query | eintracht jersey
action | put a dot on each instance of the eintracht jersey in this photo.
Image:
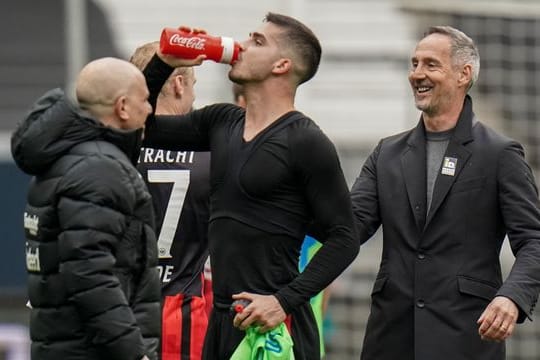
(179, 184)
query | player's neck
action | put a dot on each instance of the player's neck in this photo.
(167, 106)
(261, 112)
(266, 104)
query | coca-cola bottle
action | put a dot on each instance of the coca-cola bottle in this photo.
(188, 44)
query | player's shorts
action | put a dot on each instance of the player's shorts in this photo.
(184, 324)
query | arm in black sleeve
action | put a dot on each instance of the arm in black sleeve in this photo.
(192, 131)
(176, 132)
(156, 74)
(518, 197)
(365, 198)
(170, 132)
(328, 197)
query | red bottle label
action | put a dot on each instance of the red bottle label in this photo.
(192, 42)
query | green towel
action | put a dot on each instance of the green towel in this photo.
(275, 344)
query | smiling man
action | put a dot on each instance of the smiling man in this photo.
(446, 193)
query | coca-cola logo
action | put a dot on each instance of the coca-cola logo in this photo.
(192, 42)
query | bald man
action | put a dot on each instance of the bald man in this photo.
(91, 251)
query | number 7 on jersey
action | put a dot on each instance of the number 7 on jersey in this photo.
(180, 180)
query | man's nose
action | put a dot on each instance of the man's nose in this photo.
(417, 73)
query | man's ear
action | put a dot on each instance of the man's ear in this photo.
(178, 85)
(282, 66)
(465, 75)
(120, 109)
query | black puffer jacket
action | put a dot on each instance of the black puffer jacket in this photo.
(91, 252)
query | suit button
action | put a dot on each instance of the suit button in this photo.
(421, 256)
(420, 303)
(417, 208)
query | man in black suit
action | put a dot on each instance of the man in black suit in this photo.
(446, 193)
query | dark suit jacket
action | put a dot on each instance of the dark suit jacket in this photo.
(440, 270)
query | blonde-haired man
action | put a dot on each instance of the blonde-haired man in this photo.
(179, 184)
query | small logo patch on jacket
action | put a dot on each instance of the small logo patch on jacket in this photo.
(31, 223)
(449, 166)
(32, 258)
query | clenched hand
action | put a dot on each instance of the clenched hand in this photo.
(264, 310)
(498, 320)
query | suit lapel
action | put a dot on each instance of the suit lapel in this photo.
(413, 165)
(456, 153)
(444, 182)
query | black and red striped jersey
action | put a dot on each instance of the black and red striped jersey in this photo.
(179, 184)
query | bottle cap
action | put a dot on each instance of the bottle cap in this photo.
(239, 305)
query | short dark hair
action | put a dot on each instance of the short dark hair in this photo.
(302, 41)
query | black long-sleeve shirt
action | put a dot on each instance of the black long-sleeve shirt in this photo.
(263, 194)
